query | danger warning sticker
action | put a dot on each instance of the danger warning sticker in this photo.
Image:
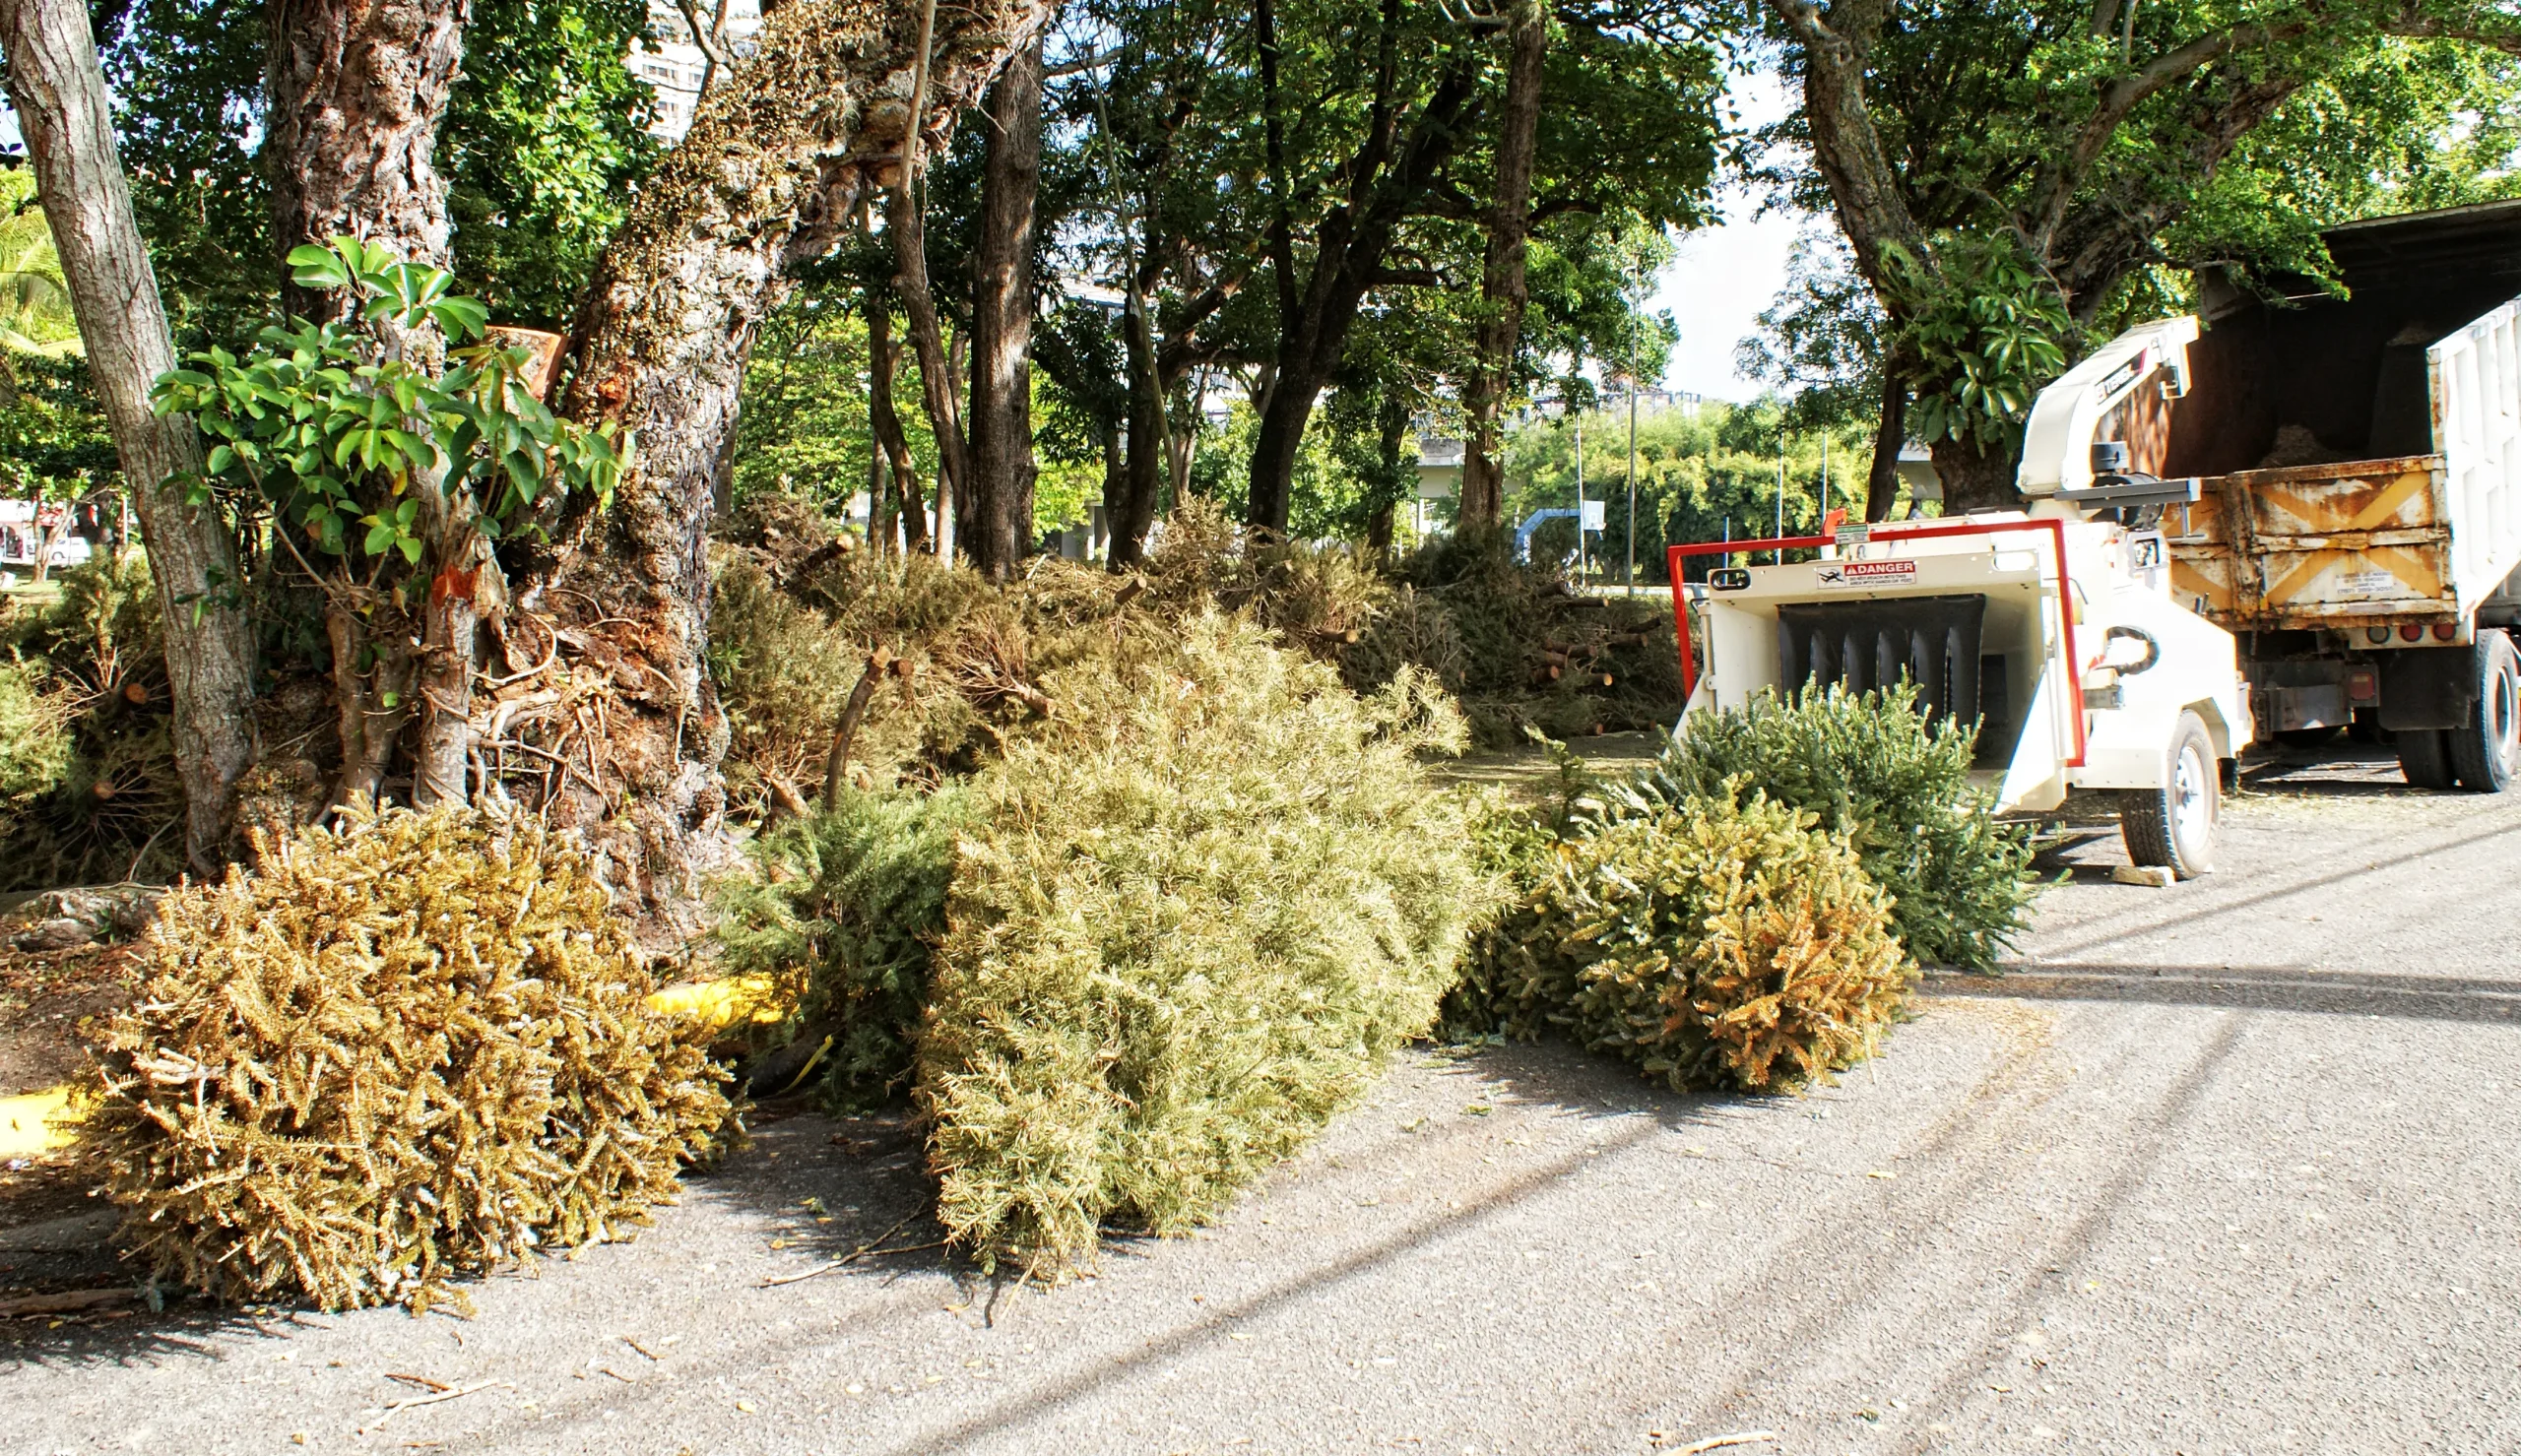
(1865, 573)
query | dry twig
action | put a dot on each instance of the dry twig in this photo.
(864, 1249)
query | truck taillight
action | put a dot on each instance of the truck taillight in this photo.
(2446, 631)
(2411, 633)
(2362, 687)
(2376, 635)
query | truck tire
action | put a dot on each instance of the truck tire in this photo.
(2424, 756)
(2486, 751)
(2173, 826)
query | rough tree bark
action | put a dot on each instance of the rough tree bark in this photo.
(999, 532)
(357, 91)
(66, 119)
(770, 172)
(1503, 288)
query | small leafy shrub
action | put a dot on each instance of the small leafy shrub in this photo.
(843, 912)
(1898, 786)
(1714, 941)
(1182, 933)
(396, 1053)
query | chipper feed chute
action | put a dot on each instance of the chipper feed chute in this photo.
(2050, 630)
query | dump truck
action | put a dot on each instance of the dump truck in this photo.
(2357, 521)
(2054, 630)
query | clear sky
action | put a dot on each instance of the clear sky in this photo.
(1726, 275)
(1716, 290)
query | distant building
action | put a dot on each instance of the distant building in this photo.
(673, 65)
(1439, 467)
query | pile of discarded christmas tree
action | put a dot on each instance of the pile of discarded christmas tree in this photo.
(1120, 882)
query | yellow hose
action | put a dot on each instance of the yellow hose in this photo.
(39, 1122)
(717, 1007)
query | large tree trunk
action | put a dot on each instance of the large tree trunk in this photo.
(1279, 439)
(1502, 289)
(770, 172)
(1974, 477)
(1001, 530)
(1142, 472)
(1391, 170)
(884, 424)
(63, 113)
(1890, 436)
(357, 91)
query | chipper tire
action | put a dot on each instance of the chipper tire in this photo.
(2486, 751)
(2173, 827)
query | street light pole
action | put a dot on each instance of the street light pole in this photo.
(1631, 487)
(1580, 500)
(1780, 553)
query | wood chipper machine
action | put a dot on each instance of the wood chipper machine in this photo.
(2052, 629)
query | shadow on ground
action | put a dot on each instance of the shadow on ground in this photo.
(2282, 988)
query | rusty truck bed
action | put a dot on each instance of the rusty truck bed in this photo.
(2353, 545)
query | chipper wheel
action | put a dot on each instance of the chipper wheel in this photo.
(2173, 826)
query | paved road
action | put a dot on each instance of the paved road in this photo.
(2223, 1169)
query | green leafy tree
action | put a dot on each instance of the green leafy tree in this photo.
(544, 140)
(546, 137)
(1704, 472)
(2010, 175)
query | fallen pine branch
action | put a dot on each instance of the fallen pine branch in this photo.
(863, 1250)
(65, 1301)
(1718, 1442)
(455, 1393)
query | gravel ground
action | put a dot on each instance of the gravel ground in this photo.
(2220, 1168)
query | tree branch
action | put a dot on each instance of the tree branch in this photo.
(1846, 146)
(2412, 25)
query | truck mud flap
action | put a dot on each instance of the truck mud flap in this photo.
(1931, 640)
(2427, 687)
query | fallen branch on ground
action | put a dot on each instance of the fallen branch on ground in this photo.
(1717, 1442)
(65, 1301)
(864, 1249)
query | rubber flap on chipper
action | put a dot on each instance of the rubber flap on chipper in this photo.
(1931, 641)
